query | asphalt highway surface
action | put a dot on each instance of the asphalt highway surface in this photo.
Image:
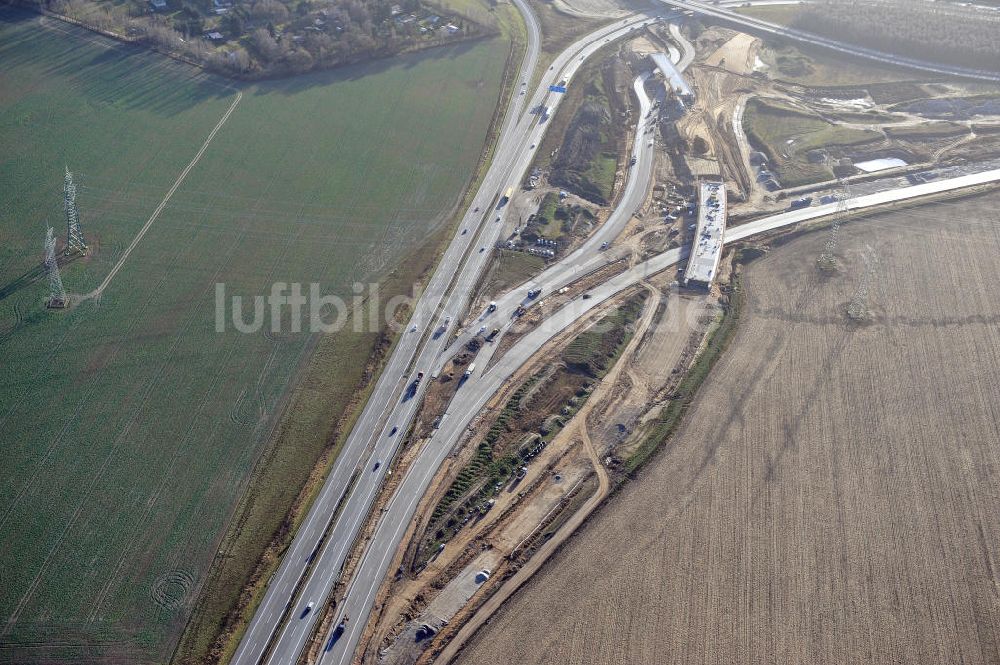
(393, 523)
(305, 548)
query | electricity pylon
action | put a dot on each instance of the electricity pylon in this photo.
(57, 293)
(74, 234)
(828, 260)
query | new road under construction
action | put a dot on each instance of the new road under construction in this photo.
(706, 248)
(430, 514)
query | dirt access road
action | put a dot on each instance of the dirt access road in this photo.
(832, 495)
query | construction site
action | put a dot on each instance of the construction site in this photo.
(734, 141)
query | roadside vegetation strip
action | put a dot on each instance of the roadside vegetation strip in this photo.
(225, 636)
(585, 133)
(778, 457)
(571, 513)
(218, 621)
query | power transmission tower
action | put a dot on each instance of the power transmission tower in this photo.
(857, 309)
(828, 260)
(74, 234)
(57, 294)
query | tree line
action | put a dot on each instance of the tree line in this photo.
(265, 38)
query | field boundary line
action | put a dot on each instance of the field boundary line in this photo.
(96, 293)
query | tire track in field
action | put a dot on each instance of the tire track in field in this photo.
(96, 293)
(151, 501)
(58, 438)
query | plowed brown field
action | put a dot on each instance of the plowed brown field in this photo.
(833, 494)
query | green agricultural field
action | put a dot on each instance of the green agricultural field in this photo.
(129, 426)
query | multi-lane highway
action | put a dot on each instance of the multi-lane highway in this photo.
(304, 549)
(760, 25)
(592, 254)
(310, 568)
(372, 568)
(393, 524)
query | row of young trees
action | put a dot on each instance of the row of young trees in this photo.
(942, 32)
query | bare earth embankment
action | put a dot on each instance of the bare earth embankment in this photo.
(832, 496)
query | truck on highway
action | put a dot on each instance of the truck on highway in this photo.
(505, 199)
(338, 632)
(493, 334)
(470, 369)
(411, 390)
(544, 114)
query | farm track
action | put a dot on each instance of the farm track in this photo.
(96, 293)
(828, 498)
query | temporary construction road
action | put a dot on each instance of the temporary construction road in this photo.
(592, 254)
(306, 553)
(372, 568)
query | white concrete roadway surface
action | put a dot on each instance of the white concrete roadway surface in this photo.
(843, 47)
(589, 256)
(385, 410)
(772, 222)
(473, 396)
